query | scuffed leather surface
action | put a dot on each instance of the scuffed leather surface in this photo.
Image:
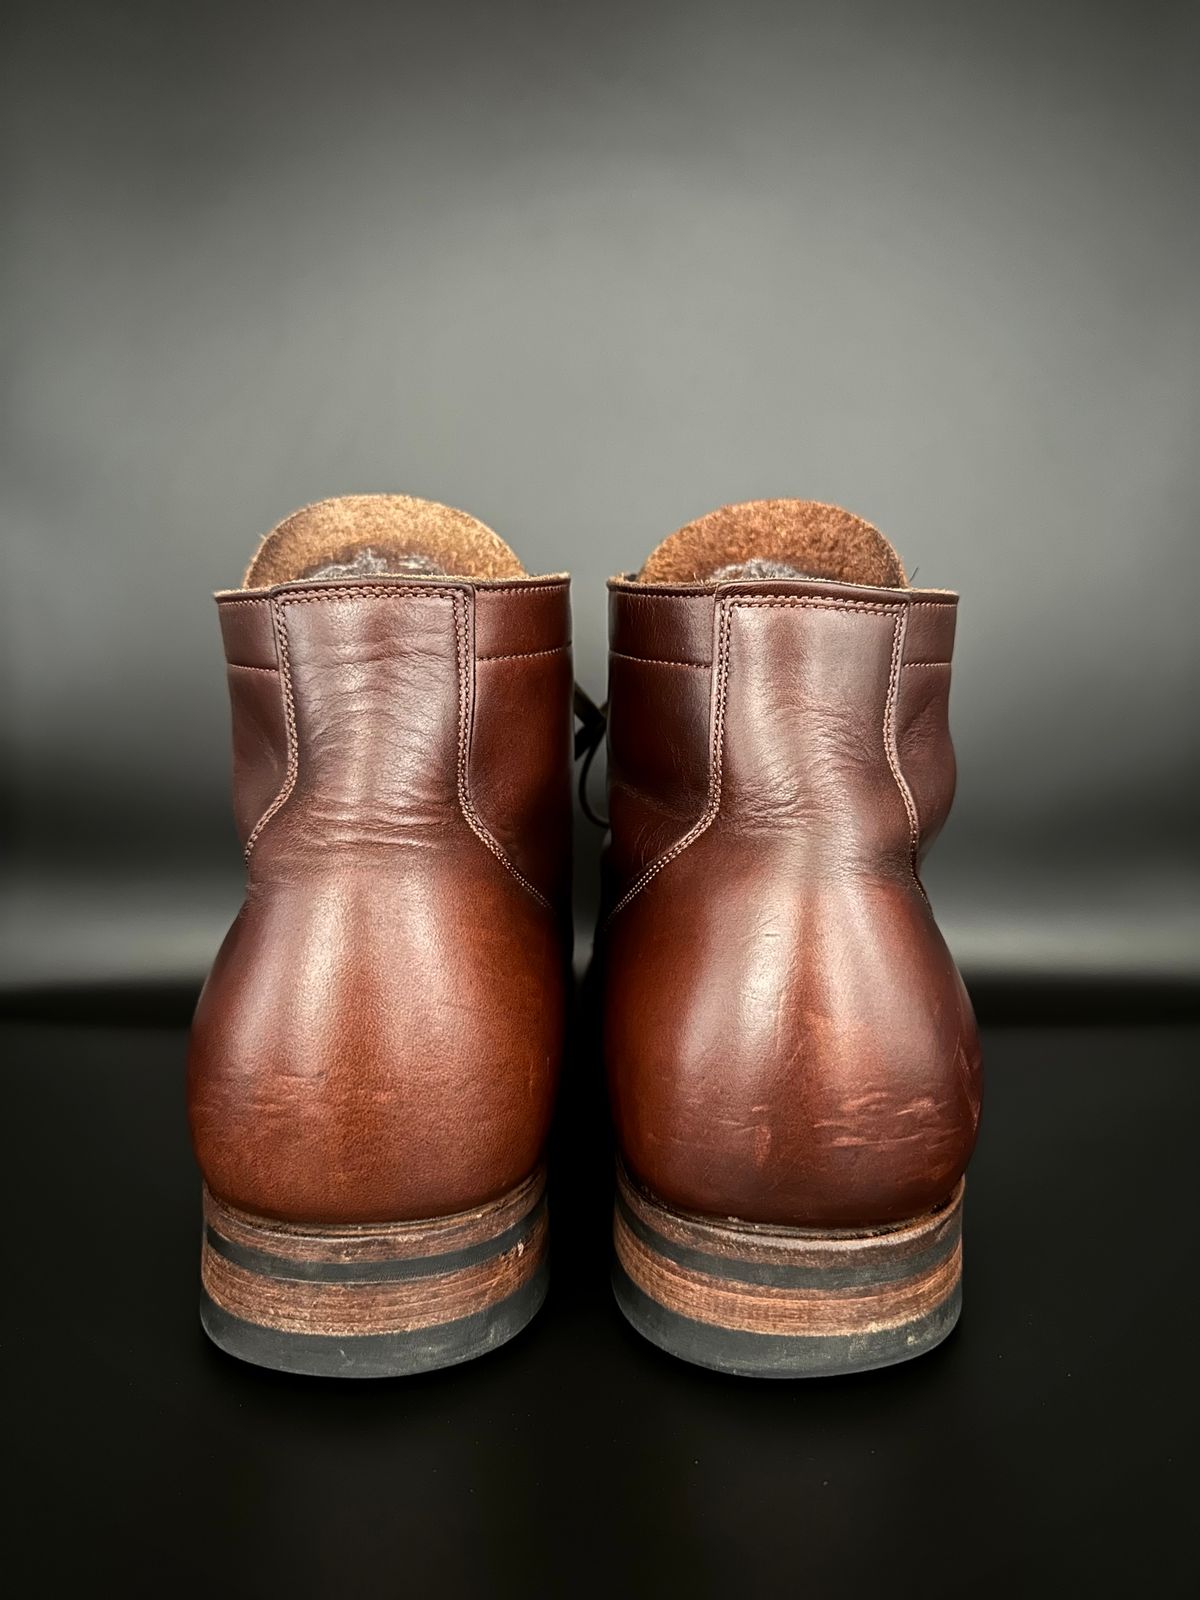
(788, 1040)
(380, 1035)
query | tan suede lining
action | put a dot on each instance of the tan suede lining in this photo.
(390, 533)
(809, 539)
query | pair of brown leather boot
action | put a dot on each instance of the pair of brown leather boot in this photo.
(793, 1062)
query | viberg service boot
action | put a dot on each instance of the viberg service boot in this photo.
(374, 1055)
(793, 1060)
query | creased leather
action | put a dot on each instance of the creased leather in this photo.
(380, 1035)
(788, 1040)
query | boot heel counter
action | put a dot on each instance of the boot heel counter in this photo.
(380, 1033)
(790, 1041)
(335, 1077)
(839, 1088)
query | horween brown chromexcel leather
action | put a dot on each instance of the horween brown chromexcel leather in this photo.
(374, 1056)
(793, 1060)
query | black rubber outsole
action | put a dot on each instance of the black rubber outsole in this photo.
(376, 1355)
(765, 1355)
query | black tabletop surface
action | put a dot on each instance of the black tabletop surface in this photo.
(1047, 1447)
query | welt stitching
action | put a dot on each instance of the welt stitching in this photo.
(525, 655)
(924, 663)
(716, 754)
(465, 803)
(250, 666)
(279, 625)
(893, 754)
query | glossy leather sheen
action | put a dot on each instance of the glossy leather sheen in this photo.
(380, 1035)
(788, 1040)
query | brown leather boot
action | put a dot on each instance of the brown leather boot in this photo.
(374, 1055)
(793, 1060)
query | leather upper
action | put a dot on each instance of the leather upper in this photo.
(788, 1040)
(380, 1035)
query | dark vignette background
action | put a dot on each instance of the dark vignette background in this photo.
(589, 272)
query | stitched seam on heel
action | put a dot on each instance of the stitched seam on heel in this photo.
(277, 602)
(721, 670)
(279, 627)
(892, 749)
(716, 755)
(465, 804)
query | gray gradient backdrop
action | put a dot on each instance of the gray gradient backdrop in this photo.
(589, 272)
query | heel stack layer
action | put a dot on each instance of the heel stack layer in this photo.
(374, 1300)
(785, 1302)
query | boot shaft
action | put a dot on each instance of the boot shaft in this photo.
(375, 718)
(814, 710)
(788, 1040)
(380, 1035)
